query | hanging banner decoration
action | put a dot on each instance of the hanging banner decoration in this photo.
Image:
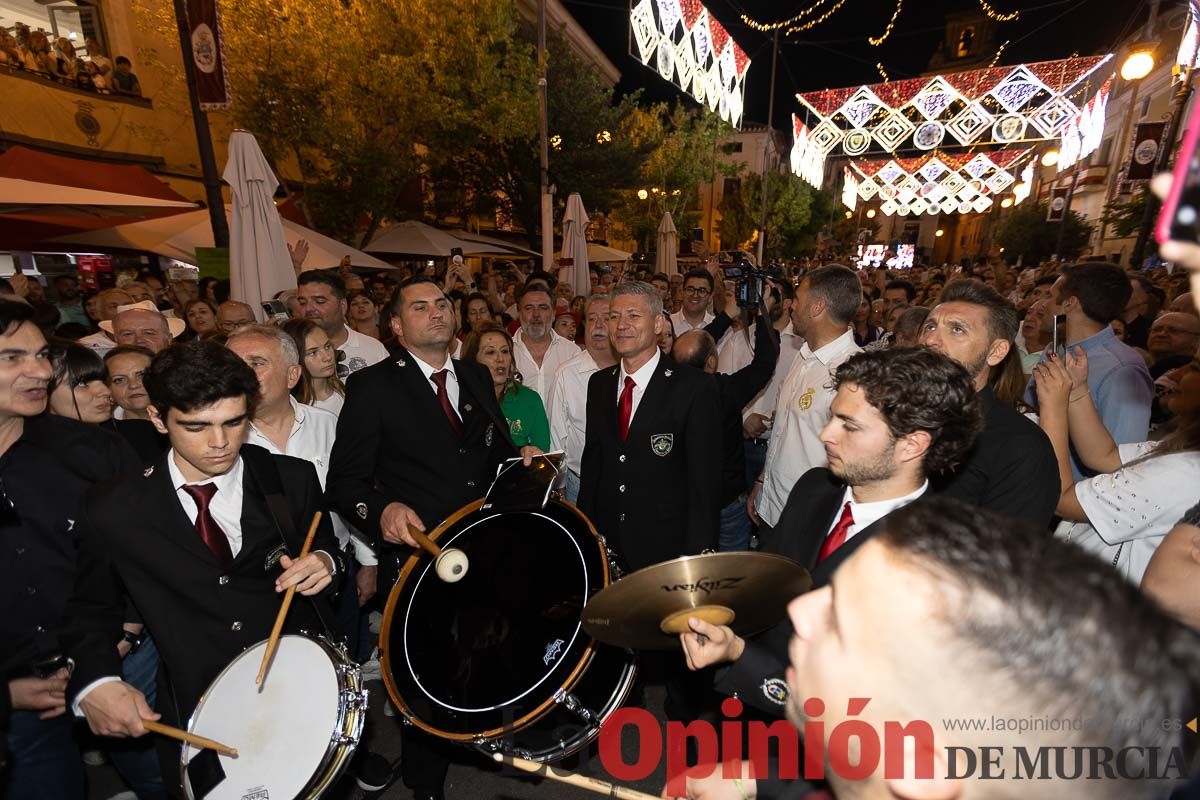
(687, 46)
(1058, 204)
(849, 188)
(939, 183)
(1190, 42)
(807, 160)
(1083, 132)
(997, 105)
(1022, 188)
(208, 55)
(1143, 150)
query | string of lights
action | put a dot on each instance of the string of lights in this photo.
(767, 27)
(875, 41)
(814, 23)
(996, 15)
(883, 72)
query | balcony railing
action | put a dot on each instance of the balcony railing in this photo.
(75, 86)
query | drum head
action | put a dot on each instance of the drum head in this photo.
(467, 659)
(281, 729)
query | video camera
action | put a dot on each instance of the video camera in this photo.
(750, 281)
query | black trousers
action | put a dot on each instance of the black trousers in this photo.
(424, 760)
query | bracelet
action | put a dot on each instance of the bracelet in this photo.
(738, 783)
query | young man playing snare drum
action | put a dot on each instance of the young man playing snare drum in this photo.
(203, 544)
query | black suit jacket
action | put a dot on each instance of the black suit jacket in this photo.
(394, 444)
(738, 389)
(655, 496)
(137, 541)
(813, 506)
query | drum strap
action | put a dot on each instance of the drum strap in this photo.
(265, 475)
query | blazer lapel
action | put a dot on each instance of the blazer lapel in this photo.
(826, 508)
(424, 398)
(165, 512)
(474, 396)
(659, 386)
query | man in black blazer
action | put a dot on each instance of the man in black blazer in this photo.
(899, 416)
(420, 436)
(202, 543)
(650, 476)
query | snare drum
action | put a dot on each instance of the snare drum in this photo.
(499, 660)
(294, 734)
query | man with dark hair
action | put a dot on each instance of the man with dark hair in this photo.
(1086, 298)
(322, 297)
(909, 326)
(191, 559)
(897, 293)
(698, 285)
(47, 464)
(1014, 625)
(1137, 315)
(826, 301)
(538, 351)
(900, 416)
(1011, 469)
(420, 436)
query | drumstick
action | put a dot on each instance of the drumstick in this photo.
(424, 541)
(190, 738)
(273, 641)
(582, 781)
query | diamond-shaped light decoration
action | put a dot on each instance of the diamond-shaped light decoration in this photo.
(919, 206)
(1017, 88)
(978, 165)
(856, 142)
(949, 205)
(1000, 181)
(645, 32)
(712, 86)
(906, 196)
(967, 126)
(684, 62)
(887, 207)
(952, 183)
(861, 105)
(935, 98)
(826, 136)
(669, 14)
(967, 192)
(902, 209)
(932, 169)
(702, 40)
(892, 131)
(964, 207)
(1052, 116)
(909, 184)
(981, 204)
(891, 172)
(867, 188)
(887, 192)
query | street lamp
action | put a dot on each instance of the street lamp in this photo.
(643, 194)
(1006, 202)
(870, 213)
(603, 137)
(940, 233)
(849, 214)
(1138, 63)
(1050, 158)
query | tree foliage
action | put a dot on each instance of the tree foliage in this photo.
(1125, 216)
(793, 218)
(1025, 233)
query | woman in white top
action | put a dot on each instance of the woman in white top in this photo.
(1141, 489)
(319, 385)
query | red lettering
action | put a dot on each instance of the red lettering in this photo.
(814, 740)
(868, 744)
(678, 771)
(894, 734)
(731, 739)
(789, 748)
(649, 748)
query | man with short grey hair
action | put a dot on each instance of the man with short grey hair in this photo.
(283, 426)
(107, 304)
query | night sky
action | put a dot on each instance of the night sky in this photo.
(836, 53)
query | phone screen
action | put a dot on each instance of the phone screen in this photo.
(1185, 222)
(1060, 346)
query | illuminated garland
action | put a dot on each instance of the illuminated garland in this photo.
(936, 183)
(876, 41)
(814, 23)
(1084, 131)
(767, 27)
(996, 15)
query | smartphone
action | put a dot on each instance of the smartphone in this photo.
(1056, 336)
(275, 310)
(1179, 218)
(456, 255)
(697, 234)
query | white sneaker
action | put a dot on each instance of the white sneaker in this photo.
(371, 669)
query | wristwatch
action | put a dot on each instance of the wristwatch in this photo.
(134, 639)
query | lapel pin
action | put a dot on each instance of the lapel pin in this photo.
(467, 407)
(400, 362)
(149, 471)
(666, 373)
(361, 510)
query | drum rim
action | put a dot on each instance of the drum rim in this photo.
(389, 613)
(339, 661)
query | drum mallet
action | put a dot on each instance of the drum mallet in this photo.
(450, 564)
(582, 781)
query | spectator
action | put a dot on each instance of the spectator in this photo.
(91, 307)
(1137, 492)
(1089, 296)
(125, 367)
(1173, 340)
(319, 384)
(566, 325)
(69, 305)
(538, 350)
(698, 286)
(898, 293)
(1034, 337)
(1183, 303)
(478, 312)
(1010, 469)
(666, 339)
(527, 423)
(361, 314)
(909, 325)
(78, 389)
(864, 332)
(144, 325)
(201, 318)
(123, 79)
(1136, 314)
(140, 292)
(323, 299)
(233, 314)
(107, 303)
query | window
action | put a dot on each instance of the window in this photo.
(729, 148)
(75, 21)
(1145, 107)
(732, 186)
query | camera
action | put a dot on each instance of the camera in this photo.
(750, 281)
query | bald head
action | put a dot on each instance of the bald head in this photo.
(696, 348)
(142, 327)
(233, 314)
(1183, 304)
(109, 301)
(1174, 334)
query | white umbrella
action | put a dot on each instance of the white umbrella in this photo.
(496, 248)
(575, 222)
(179, 235)
(666, 257)
(414, 238)
(259, 263)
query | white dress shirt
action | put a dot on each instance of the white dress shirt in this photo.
(641, 379)
(98, 341)
(568, 412)
(800, 414)
(681, 325)
(361, 351)
(867, 514)
(311, 439)
(451, 380)
(735, 351)
(332, 404)
(226, 505)
(541, 377)
(764, 403)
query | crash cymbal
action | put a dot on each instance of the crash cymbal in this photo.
(649, 608)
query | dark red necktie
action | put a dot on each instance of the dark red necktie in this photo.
(837, 536)
(625, 408)
(206, 525)
(444, 398)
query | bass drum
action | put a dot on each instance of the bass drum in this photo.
(499, 659)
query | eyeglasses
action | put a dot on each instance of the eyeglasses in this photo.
(697, 291)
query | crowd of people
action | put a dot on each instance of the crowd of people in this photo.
(905, 435)
(89, 68)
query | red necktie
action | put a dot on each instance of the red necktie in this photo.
(444, 398)
(837, 536)
(206, 525)
(625, 408)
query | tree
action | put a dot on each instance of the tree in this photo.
(792, 225)
(1025, 233)
(1125, 216)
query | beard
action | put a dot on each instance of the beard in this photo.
(869, 469)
